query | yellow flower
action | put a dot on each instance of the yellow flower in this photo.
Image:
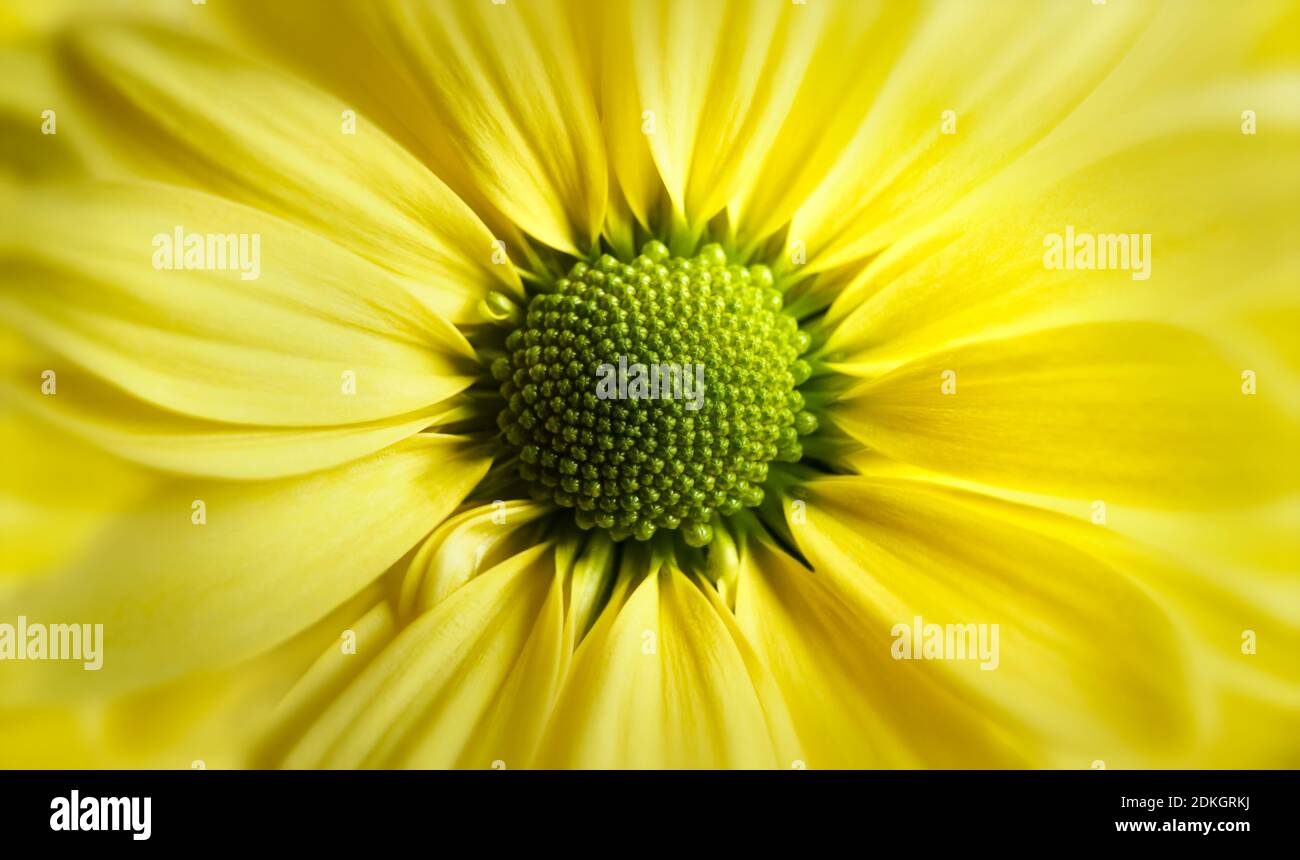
(994, 307)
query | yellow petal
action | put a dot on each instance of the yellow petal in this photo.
(1226, 579)
(834, 96)
(207, 720)
(374, 83)
(666, 680)
(472, 541)
(287, 149)
(57, 495)
(1088, 666)
(1124, 412)
(207, 573)
(467, 684)
(34, 105)
(828, 654)
(22, 19)
(1177, 182)
(901, 169)
(286, 348)
(591, 582)
(494, 97)
(636, 189)
(102, 415)
(714, 81)
(357, 642)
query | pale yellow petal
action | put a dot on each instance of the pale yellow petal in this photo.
(1088, 666)
(468, 543)
(666, 680)
(286, 148)
(712, 83)
(207, 573)
(102, 415)
(314, 335)
(358, 641)
(855, 45)
(901, 169)
(494, 97)
(1175, 202)
(467, 684)
(827, 652)
(57, 495)
(1225, 578)
(210, 720)
(1122, 412)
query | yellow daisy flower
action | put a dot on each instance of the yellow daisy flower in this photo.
(763, 384)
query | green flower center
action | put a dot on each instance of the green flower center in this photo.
(652, 394)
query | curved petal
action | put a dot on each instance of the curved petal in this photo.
(708, 86)
(833, 98)
(361, 641)
(1011, 75)
(1124, 412)
(1087, 665)
(1220, 572)
(666, 680)
(21, 19)
(1176, 194)
(206, 573)
(57, 495)
(849, 705)
(104, 416)
(298, 332)
(472, 541)
(207, 720)
(493, 96)
(284, 148)
(467, 684)
(1008, 73)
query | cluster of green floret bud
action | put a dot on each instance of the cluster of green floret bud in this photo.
(630, 464)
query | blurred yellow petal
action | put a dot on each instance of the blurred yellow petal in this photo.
(1134, 412)
(495, 95)
(207, 573)
(206, 720)
(1088, 666)
(354, 647)
(318, 337)
(56, 495)
(33, 101)
(1179, 179)
(1008, 73)
(467, 684)
(287, 149)
(826, 649)
(666, 680)
(19, 18)
(104, 416)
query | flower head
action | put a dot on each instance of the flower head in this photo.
(653, 384)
